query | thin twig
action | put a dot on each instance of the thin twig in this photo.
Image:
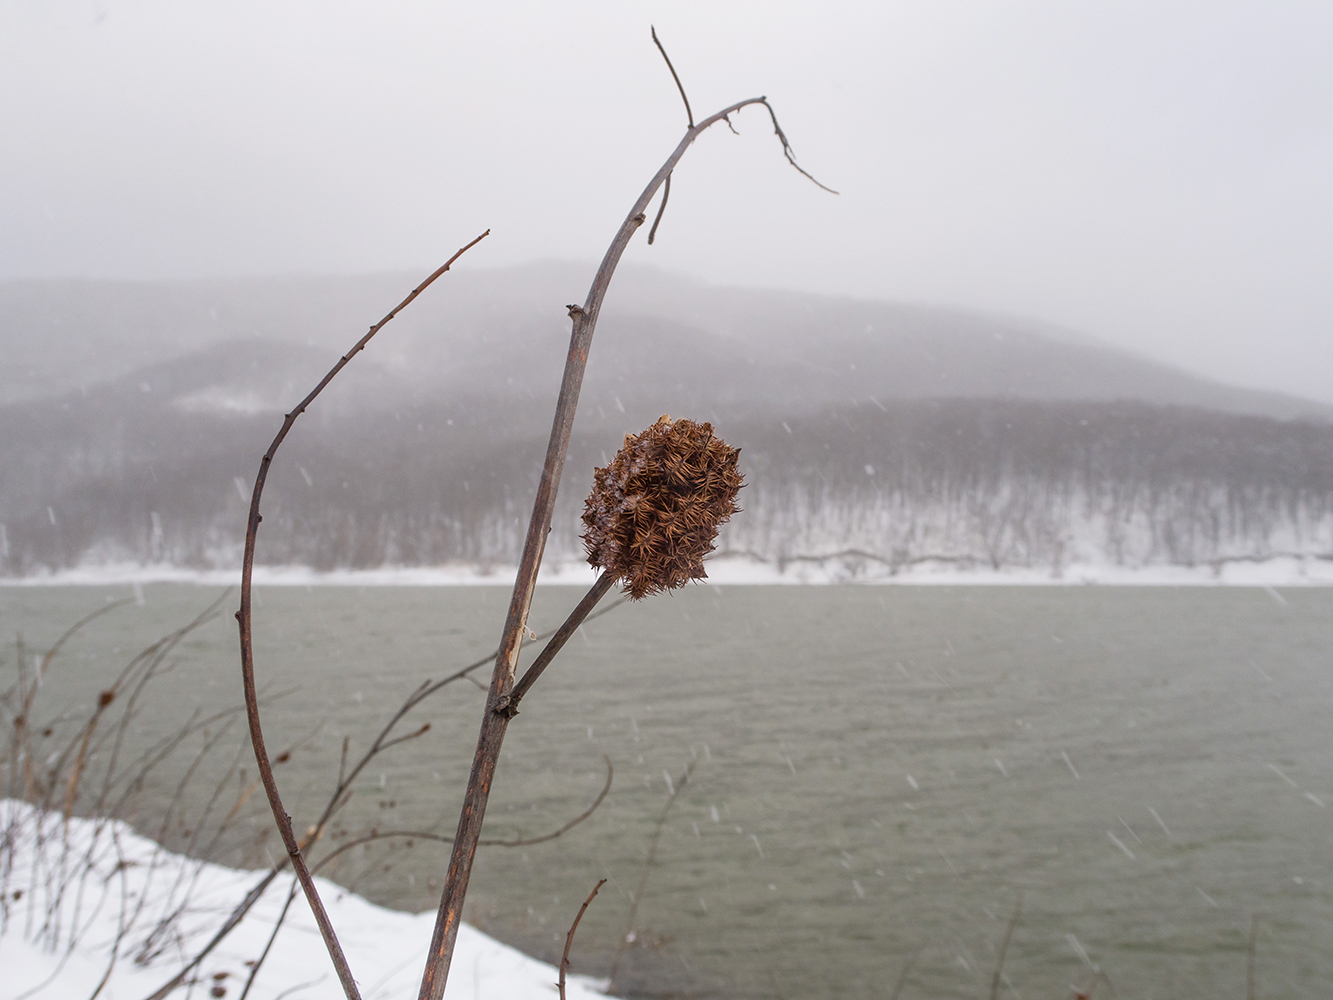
(440, 838)
(339, 798)
(1004, 947)
(147, 662)
(421, 730)
(906, 971)
(1098, 976)
(342, 761)
(1254, 944)
(243, 620)
(787, 150)
(273, 936)
(666, 193)
(563, 634)
(494, 721)
(22, 729)
(569, 938)
(529, 841)
(679, 86)
(666, 185)
(426, 835)
(643, 879)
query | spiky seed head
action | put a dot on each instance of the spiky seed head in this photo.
(654, 512)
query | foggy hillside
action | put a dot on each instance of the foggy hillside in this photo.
(134, 416)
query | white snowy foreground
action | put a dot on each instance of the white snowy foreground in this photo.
(93, 900)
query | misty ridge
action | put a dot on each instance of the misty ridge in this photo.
(874, 436)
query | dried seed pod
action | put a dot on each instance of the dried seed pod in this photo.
(654, 512)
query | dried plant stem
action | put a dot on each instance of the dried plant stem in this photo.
(1004, 947)
(22, 722)
(562, 635)
(1249, 966)
(494, 720)
(243, 619)
(643, 878)
(273, 936)
(689, 117)
(339, 798)
(679, 86)
(569, 938)
(411, 835)
(661, 209)
(906, 971)
(1097, 976)
(427, 835)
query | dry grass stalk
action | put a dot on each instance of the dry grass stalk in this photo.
(72, 874)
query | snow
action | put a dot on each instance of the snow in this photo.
(838, 567)
(109, 889)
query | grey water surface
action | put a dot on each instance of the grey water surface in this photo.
(878, 773)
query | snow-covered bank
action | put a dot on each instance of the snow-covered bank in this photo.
(134, 911)
(737, 569)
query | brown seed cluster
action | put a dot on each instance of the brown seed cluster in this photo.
(654, 512)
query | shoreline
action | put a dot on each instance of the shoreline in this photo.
(731, 570)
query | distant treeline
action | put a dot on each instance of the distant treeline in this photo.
(989, 482)
(1017, 483)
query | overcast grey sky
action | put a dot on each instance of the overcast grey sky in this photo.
(1156, 174)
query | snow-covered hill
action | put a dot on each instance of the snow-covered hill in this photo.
(910, 435)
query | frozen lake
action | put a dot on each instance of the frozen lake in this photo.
(878, 772)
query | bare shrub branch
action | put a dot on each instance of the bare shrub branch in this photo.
(625, 937)
(243, 620)
(563, 634)
(1004, 947)
(428, 835)
(1249, 964)
(661, 209)
(679, 86)
(494, 719)
(339, 798)
(569, 938)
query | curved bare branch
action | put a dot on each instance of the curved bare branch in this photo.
(243, 620)
(440, 838)
(569, 938)
(679, 86)
(336, 801)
